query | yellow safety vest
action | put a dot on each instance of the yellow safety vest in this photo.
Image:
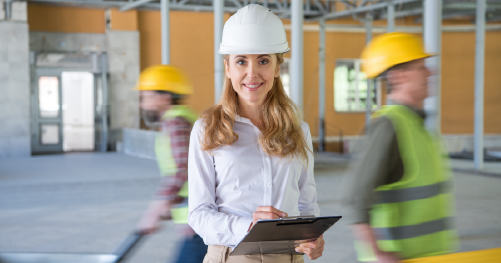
(166, 162)
(412, 217)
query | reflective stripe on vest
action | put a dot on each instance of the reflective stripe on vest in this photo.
(163, 151)
(413, 193)
(412, 216)
(166, 162)
(412, 231)
(179, 212)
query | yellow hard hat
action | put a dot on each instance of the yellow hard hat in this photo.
(388, 50)
(166, 78)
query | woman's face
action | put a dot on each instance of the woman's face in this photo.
(252, 76)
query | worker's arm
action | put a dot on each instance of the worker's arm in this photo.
(179, 130)
(364, 233)
(377, 162)
(167, 195)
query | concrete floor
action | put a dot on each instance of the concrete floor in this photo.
(89, 202)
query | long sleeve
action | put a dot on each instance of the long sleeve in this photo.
(307, 187)
(179, 133)
(216, 228)
(378, 163)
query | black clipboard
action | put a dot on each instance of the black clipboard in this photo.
(281, 236)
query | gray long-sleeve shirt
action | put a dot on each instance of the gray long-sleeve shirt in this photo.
(377, 162)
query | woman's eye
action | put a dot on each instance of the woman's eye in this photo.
(264, 62)
(241, 62)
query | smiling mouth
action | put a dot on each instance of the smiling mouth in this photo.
(253, 87)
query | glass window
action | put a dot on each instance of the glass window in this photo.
(48, 97)
(350, 87)
(49, 133)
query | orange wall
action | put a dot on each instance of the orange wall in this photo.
(192, 49)
(65, 19)
(192, 46)
(126, 21)
(458, 82)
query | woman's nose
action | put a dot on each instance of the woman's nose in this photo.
(252, 70)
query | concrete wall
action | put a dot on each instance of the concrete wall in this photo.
(139, 143)
(123, 67)
(67, 42)
(14, 90)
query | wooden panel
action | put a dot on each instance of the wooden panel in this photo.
(126, 21)
(65, 19)
(458, 83)
(192, 49)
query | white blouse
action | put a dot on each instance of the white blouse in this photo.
(225, 188)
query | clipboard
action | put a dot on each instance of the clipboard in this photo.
(281, 236)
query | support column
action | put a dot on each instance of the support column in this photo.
(297, 53)
(391, 16)
(321, 86)
(218, 58)
(432, 33)
(8, 9)
(165, 28)
(368, 38)
(478, 138)
(16, 128)
(105, 103)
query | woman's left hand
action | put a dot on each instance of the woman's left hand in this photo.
(312, 249)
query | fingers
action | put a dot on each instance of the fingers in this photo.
(271, 209)
(264, 215)
(313, 249)
(310, 252)
(267, 212)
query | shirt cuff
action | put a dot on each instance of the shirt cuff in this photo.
(242, 227)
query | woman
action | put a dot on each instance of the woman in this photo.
(250, 156)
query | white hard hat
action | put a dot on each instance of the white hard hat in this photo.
(254, 29)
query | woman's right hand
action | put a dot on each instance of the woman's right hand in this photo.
(266, 212)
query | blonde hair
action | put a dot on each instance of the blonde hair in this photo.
(281, 133)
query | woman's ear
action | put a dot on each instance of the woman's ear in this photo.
(227, 69)
(277, 71)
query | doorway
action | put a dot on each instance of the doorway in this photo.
(68, 111)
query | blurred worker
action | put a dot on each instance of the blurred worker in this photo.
(250, 154)
(398, 195)
(162, 90)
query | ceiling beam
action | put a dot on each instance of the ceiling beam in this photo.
(404, 13)
(357, 10)
(132, 5)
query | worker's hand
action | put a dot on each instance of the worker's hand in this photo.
(386, 257)
(312, 249)
(150, 221)
(266, 212)
(149, 224)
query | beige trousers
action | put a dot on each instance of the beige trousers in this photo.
(221, 254)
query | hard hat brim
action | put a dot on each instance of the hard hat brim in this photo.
(228, 50)
(187, 90)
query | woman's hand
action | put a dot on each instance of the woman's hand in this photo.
(266, 212)
(312, 249)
